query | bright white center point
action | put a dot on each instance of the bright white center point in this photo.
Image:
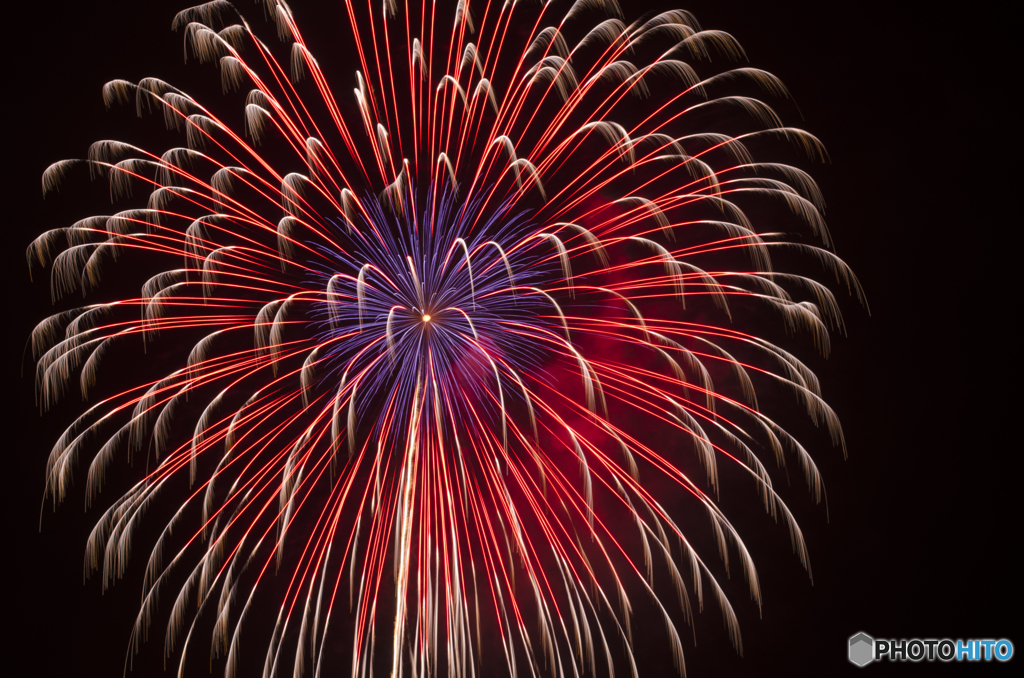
(426, 317)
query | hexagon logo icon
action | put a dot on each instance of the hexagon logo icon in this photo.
(862, 649)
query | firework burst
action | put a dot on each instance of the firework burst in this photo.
(417, 356)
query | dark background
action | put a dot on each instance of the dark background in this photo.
(922, 521)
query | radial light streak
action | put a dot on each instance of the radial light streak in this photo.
(411, 410)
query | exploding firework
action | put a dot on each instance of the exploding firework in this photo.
(438, 366)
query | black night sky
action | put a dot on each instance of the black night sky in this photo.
(922, 516)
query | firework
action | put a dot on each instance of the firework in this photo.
(430, 360)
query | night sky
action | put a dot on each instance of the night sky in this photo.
(921, 522)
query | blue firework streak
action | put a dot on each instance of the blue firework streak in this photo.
(422, 401)
(454, 297)
(413, 289)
